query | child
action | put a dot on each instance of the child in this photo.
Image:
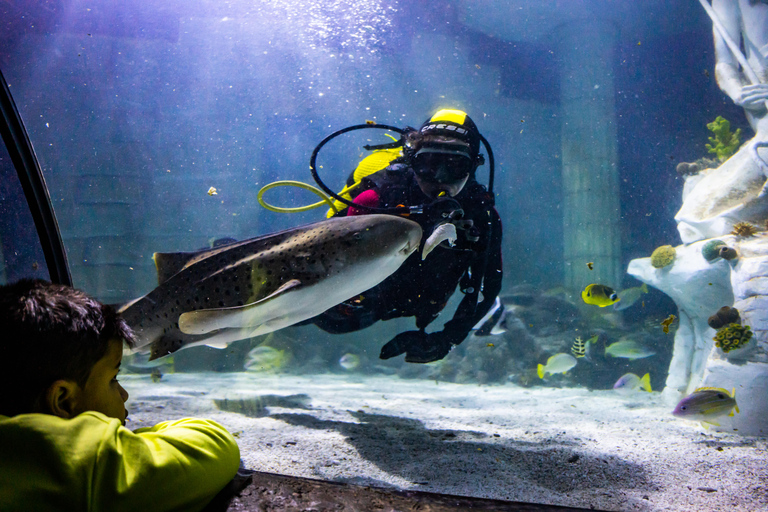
(63, 444)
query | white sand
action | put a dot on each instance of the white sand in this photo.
(569, 447)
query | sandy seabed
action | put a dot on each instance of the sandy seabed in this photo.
(568, 446)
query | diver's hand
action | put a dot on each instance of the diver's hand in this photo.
(419, 347)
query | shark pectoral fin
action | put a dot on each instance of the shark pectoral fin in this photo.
(204, 321)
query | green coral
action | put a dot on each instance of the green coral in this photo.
(711, 250)
(725, 142)
(732, 336)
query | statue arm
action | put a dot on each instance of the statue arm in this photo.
(731, 80)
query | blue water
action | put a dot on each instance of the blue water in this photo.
(137, 109)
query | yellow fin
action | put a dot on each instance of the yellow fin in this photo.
(645, 382)
(731, 394)
(540, 371)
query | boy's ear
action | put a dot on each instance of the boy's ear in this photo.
(61, 398)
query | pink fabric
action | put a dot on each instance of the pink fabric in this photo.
(367, 198)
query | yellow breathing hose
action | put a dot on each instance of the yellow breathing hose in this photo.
(378, 160)
(290, 183)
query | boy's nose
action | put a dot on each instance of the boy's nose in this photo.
(123, 393)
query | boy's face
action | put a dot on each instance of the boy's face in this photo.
(102, 393)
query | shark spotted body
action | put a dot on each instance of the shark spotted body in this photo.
(256, 286)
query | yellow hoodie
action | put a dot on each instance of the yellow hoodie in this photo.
(93, 463)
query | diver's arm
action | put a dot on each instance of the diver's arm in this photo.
(469, 312)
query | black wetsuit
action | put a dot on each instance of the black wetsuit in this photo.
(421, 288)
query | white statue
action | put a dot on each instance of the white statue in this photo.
(744, 21)
(735, 191)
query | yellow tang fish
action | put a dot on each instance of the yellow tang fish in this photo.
(599, 295)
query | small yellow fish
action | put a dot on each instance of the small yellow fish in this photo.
(349, 361)
(666, 323)
(590, 264)
(491, 345)
(629, 383)
(266, 359)
(578, 349)
(558, 363)
(212, 191)
(599, 295)
(705, 404)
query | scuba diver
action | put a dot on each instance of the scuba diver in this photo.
(431, 181)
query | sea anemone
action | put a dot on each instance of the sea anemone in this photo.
(711, 249)
(663, 256)
(732, 337)
(744, 229)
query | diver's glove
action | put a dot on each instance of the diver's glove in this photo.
(419, 347)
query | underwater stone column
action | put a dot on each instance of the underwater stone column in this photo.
(591, 209)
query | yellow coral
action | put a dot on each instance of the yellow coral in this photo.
(744, 229)
(663, 256)
(732, 337)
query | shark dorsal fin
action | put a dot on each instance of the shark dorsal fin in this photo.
(169, 263)
(204, 321)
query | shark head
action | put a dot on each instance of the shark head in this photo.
(257, 286)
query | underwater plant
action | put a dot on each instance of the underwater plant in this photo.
(725, 142)
(663, 256)
(744, 229)
(732, 336)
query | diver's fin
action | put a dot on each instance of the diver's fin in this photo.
(204, 321)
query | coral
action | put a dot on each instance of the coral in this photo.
(663, 256)
(744, 229)
(732, 337)
(687, 169)
(711, 249)
(724, 316)
(725, 142)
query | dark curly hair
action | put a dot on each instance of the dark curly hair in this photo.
(50, 332)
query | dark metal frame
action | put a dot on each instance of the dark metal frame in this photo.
(32, 182)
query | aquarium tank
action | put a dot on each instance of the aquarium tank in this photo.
(512, 251)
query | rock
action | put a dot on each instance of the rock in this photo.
(700, 289)
(732, 193)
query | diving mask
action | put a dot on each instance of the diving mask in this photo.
(442, 164)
